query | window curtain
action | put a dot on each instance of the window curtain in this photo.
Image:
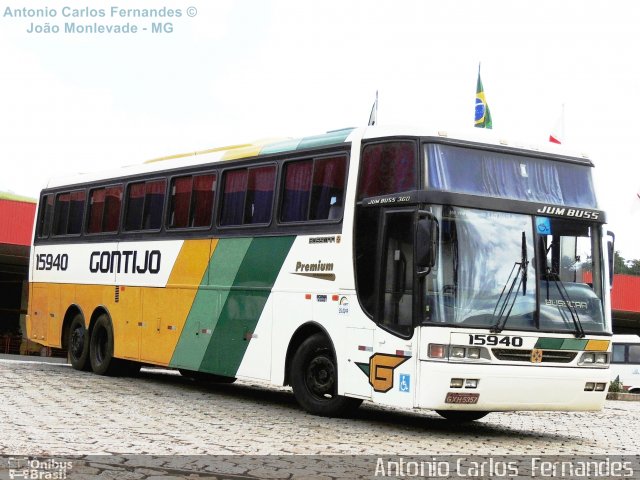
(387, 168)
(509, 176)
(153, 204)
(96, 211)
(135, 204)
(112, 206)
(202, 200)
(328, 185)
(61, 214)
(260, 194)
(235, 186)
(181, 201)
(295, 200)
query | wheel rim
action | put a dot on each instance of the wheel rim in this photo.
(321, 377)
(77, 342)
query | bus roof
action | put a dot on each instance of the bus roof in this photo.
(333, 137)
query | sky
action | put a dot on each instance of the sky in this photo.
(232, 71)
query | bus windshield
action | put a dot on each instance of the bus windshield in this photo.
(512, 271)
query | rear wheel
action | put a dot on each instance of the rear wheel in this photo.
(101, 348)
(78, 344)
(314, 378)
(461, 416)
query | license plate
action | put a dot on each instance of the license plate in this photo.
(465, 398)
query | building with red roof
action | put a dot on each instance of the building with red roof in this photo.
(16, 227)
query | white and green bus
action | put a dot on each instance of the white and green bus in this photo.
(407, 267)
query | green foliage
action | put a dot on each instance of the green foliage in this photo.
(615, 386)
(627, 267)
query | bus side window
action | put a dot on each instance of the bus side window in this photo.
(191, 203)
(46, 213)
(145, 202)
(618, 353)
(313, 189)
(248, 196)
(387, 168)
(634, 354)
(104, 209)
(68, 213)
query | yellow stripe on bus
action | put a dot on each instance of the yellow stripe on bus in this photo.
(165, 310)
(597, 346)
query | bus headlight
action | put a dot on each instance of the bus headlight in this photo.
(588, 358)
(473, 353)
(456, 352)
(601, 358)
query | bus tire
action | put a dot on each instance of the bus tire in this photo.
(78, 344)
(314, 378)
(461, 416)
(101, 348)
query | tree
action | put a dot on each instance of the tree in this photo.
(627, 267)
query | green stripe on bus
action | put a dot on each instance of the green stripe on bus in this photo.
(561, 344)
(330, 138)
(212, 293)
(244, 304)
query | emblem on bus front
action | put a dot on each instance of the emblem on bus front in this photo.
(536, 355)
(380, 370)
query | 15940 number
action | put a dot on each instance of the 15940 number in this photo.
(47, 261)
(494, 340)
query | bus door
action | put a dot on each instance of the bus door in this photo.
(393, 363)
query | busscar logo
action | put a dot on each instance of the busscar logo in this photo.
(380, 370)
(319, 270)
(568, 212)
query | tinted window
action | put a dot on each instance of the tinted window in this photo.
(145, 202)
(618, 353)
(104, 209)
(387, 168)
(313, 189)
(46, 213)
(634, 353)
(248, 196)
(192, 201)
(487, 173)
(68, 211)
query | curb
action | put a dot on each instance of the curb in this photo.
(627, 397)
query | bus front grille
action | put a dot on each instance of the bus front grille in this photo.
(548, 356)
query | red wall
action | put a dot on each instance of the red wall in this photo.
(16, 222)
(625, 295)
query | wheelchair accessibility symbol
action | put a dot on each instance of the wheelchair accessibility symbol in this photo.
(405, 383)
(543, 225)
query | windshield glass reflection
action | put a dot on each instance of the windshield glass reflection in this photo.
(486, 273)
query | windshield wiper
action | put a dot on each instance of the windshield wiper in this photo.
(564, 295)
(519, 274)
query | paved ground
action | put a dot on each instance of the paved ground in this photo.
(49, 409)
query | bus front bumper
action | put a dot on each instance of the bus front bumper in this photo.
(510, 387)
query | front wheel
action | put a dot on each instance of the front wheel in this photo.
(461, 416)
(314, 378)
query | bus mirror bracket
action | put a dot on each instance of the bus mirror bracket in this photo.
(426, 242)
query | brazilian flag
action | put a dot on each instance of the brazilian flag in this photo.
(483, 115)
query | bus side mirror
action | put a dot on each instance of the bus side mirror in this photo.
(612, 253)
(426, 244)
